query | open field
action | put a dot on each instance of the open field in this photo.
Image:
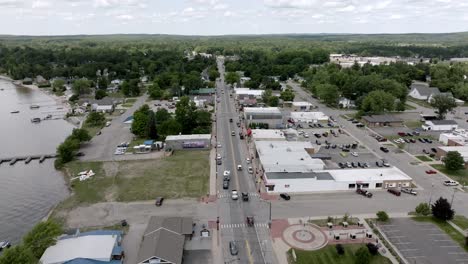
(460, 176)
(328, 255)
(446, 227)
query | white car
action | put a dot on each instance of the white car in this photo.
(450, 183)
(306, 135)
(218, 157)
(218, 146)
(250, 170)
(354, 154)
(248, 160)
(234, 195)
(226, 173)
(300, 132)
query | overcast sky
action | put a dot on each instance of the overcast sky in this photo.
(220, 17)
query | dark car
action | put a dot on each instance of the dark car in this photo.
(327, 146)
(333, 146)
(233, 248)
(285, 196)
(318, 142)
(425, 151)
(317, 135)
(359, 125)
(319, 125)
(434, 150)
(225, 184)
(428, 140)
(219, 162)
(4, 245)
(80, 154)
(245, 197)
(230, 120)
(412, 140)
(354, 164)
(159, 201)
(364, 193)
(394, 191)
(346, 150)
(384, 149)
(311, 125)
(341, 165)
(421, 140)
(378, 164)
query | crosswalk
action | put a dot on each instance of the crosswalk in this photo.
(228, 195)
(225, 226)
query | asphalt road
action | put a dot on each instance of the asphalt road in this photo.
(253, 242)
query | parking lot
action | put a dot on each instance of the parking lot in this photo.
(422, 242)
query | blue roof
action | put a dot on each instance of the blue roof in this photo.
(128, 118)
(91, 261)
(148, 142)
(96, 233)
(117, 250)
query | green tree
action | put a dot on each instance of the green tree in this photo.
(95, 119)
(170, 127)
(423, 209)
(461, 91)
(152, 133)
(287, 95)
(203, 119)
(340, 249)
(99, 94)
(442, 210)
(378, 102)
(362, 256)
(81, 135)
(232, 77)
(382, 216)
(266, 96)
(102, 83)
(443, 104)
(18, 254)
(58, 85)
(66, 150)
(213, 73)
(141, 121)
(155, 91)
(185, 114)
(273, 101)
(131, 87)
(42, 236)
(81, 86)
(454, 161)
(328, 93)
(162, 115)
(74, 98)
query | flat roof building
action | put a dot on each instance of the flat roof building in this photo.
(443, 150)
(267, 134)
(265, 115)
(382, 120)
(440, 125)
(301, 106)
(197, 141)
(458, 137)
(247, 91)
(309, 117)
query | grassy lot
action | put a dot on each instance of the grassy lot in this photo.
(460, 176)
(328, 255)
(136, 142)
(461, 221)
(184, 174)
(413, 123)
(419, 102)
(424, 158)
(409, 107)
(129, 102)
(446, 227)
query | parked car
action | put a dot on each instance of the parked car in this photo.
(401, 134)
(409, 191)
(225, 184)
(239, 167)
(416, 133)
(378, 164)
(219, 162)
(431, 172)
(349, 165)
(250, 170)
(354, 164)
(233, 248)
(384, 149)
(4, 244)
(364, 193)
(429, 141)
(394, 191)
(385, 163)
(341, 165)
(245, 197)
(233, 133)
(412, 140)
(359, 125)
(425, 151)
(421, 140)
(355, 154)
(450, 183)
(317, 135)
(234, 195)
(159, 201)
(333, 146)
(285, 196)
(434, 150)
(306, 135)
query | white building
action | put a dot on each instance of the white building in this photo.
(309, 117)
(268, 134)
(247, 91)
(440, 125)
(197, 141)
(302, 106)
(264, 115)
(458, 137)
(422, 91)
(199, 103)
(346, 103)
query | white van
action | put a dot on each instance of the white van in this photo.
(450, 183)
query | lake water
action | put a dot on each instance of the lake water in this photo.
(28, 192)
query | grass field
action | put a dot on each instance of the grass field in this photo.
(409, 107)
(424, 158)
(460, 176)
(461, 221)
(328, 255)
(419, 102)
(184, 174)
(446, 227)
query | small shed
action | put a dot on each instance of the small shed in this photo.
(440, 125)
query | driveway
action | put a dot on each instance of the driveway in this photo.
(422, 242)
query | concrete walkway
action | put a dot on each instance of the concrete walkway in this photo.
(305, 237)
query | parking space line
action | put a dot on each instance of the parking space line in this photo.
(449, 246)
(411, 249)
(416, 257)
(402, 243)
(462, 259)
(441, 240)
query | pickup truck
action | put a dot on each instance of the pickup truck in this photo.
(364, 193)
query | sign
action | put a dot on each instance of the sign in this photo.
(193, 144)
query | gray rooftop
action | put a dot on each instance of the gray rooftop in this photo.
(298, 175)
(180, 225)
(382, 119)
(443, 122)
(424, 89)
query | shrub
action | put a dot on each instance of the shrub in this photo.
(362, 256)
(442, 210)
(340, 249)
(423, 209)
(382, 216)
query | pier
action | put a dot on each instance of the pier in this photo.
(27, 159)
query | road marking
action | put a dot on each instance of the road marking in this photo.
(247, 245)
(402, 243)
(436, 234)
(395, 237)
(456, 253)
(411, 249)
(389, 231)
(416, 257)
(441, 240)
(449, 246)
(462, 259)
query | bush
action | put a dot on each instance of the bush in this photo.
(442, 210)
(382, 216)
(42, 236)
(340, 249)
(95, 119)
(423, 209)
(373, 249)
(362, 256)
(74, 98)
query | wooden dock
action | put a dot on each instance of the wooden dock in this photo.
(27, 159)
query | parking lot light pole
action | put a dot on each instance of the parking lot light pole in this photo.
(453, 196)
(430, 197)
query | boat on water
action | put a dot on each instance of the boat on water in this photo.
(36, 120)
(15, 112)
(34, 106)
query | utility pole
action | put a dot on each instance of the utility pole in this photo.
(430, 198)
(453, 196)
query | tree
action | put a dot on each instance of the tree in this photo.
(81, 86)
(42, 236)
(74, 98)
(155, 91)
(162, 115)
(185, 114)
(273, 101)
(287, 95)
(170, 127)
(328, 93)
(102, 83)
(340, 249)
(66, 150)
(423, 209)
(454, 161)
(131, 87)
(373, 249)
(81, 135)
(382, 216)
(18, 254)
(152, 133)
(141, 121)
(232, 77)
(58, 85)
(443, 104)
(213, 73)
(362, 256)
(442, 210)
(100, 94)
(378, 102)
(266, 95)
(95, 119)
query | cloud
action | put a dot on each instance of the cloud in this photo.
(11, 3)
(347, 8)
(125, 17)
(40, 4)
(220, 7)
(290, 3)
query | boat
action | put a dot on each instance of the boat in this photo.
(36, 120)
(15, 112)
(34, 106)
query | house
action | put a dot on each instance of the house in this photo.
(448, 94)
(422, 91)
(382, 120)
(102, 246)
(104, 105)
(163, 240)
(440, 125)
(344, 102)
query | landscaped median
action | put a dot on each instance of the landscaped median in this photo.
(184, 174)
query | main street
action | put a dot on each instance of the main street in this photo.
(253, 242)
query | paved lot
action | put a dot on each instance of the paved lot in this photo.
(421, 242)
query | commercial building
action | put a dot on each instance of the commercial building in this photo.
(309, 117)
(301, 106)
(90, 247)
(247, 100)
(458, 137)
(267, 135)
(440, 125)
(247, 91)
(163, 240)
(199, 141)
(382, 120)
(264, 115)
(443, 150)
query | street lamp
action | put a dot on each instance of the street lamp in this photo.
(453, 196)
(430, 198)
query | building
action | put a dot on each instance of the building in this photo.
(203, 91)
(309, 117)
(440, 125)
(247, 100)
(105, 105)
(94, 247)
(163, 240)
(27, 81)
(443, 150)
(422, 91)
(346, 103)
(382, 120)
(267, 134)
(302, 106)
(199, 141)
(458, 137)
(199, 103)
(247, 91)
(265, 115)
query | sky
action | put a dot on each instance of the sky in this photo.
(224, 17)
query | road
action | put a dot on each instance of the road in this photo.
(253, 242)
(325, 204)
(102, 147)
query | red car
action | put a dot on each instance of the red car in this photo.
(402, 134)
(431, 172)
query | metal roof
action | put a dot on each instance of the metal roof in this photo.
(188, 137)
(442, 122)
